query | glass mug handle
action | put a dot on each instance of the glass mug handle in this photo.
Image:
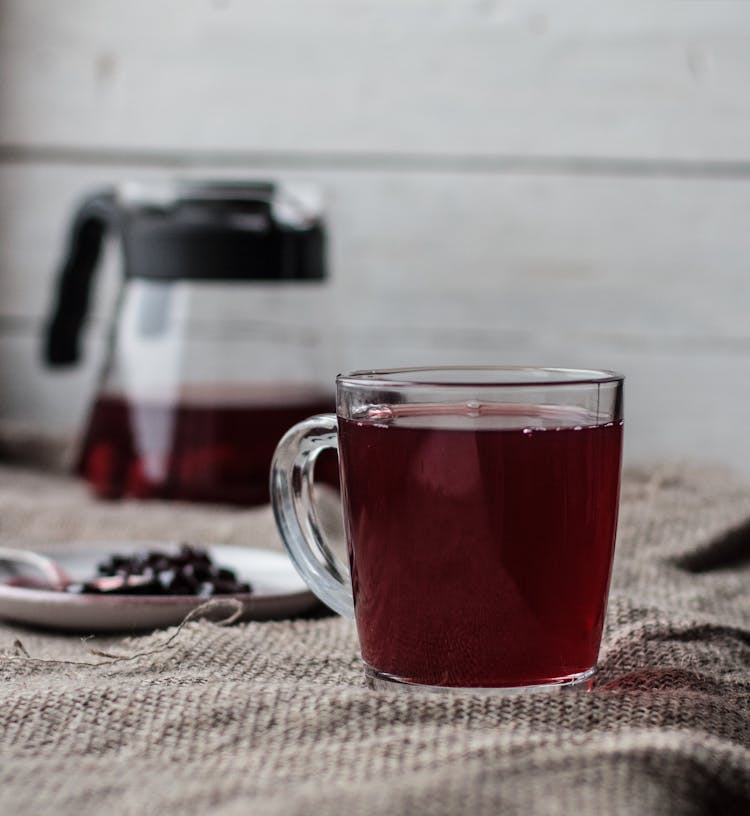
(296, 517)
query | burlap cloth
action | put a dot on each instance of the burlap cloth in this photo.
(274, 718)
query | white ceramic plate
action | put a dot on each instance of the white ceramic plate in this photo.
(278, 592)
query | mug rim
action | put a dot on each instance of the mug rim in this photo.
(485, 376)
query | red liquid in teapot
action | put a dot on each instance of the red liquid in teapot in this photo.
(480, 556)
(213, 447)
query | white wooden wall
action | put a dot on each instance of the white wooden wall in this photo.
(548, 182)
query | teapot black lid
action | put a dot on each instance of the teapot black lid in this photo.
(221, 231)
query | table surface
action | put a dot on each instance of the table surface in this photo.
(275, 717)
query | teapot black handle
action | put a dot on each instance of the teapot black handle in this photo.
(94, 216)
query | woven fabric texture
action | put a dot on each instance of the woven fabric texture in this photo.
(274, 718)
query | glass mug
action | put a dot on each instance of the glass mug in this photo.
(480, 508)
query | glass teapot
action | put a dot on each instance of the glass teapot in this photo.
(214, 348)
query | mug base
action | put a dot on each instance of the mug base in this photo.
(380, 681)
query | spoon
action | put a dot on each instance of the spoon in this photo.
(55, 575)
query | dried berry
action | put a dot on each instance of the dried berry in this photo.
(188, 572)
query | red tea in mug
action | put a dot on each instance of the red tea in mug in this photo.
(480, 554)
(480, 506)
